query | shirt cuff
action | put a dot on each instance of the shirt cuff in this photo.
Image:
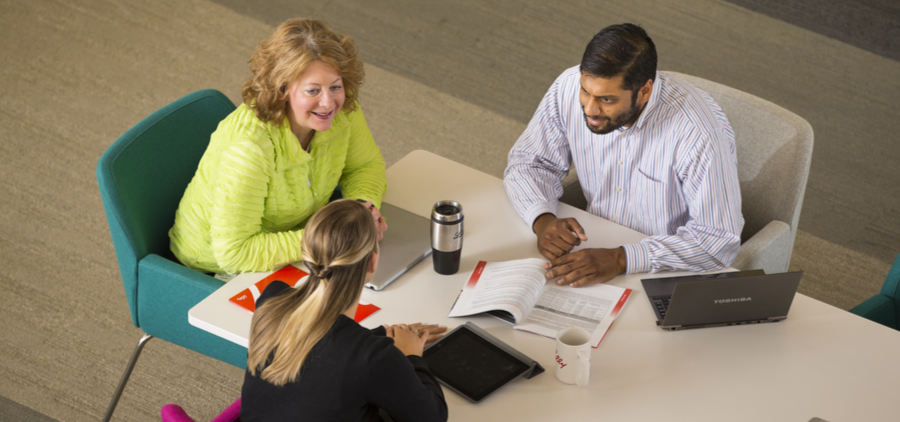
(536, 211)
(638, 257)
(417, 361)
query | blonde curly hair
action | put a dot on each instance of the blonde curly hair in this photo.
(286, 54)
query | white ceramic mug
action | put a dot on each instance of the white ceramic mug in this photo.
(573, 356)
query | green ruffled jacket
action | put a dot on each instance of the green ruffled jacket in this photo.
(255, 189)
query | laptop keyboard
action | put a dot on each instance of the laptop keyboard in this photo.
(662, 305)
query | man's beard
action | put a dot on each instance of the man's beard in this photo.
(613, 124)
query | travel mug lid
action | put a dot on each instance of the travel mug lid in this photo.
(447, 212)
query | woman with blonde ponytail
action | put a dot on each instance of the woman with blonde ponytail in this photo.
(308, 359)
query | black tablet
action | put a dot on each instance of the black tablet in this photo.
(474, 364)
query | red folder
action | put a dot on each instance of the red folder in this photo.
(292, 276)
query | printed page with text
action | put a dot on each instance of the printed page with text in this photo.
(537, 305)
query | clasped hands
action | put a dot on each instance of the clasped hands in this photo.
(411, 339)
(556, 237)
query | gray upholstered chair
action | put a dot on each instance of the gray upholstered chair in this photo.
(774, 150)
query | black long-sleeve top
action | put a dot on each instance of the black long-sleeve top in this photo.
(349, 375)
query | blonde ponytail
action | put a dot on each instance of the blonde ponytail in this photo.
(338, 244)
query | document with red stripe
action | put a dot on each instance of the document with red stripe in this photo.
(517, 291)
(293, 276)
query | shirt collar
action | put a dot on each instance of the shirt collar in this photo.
(650, 107)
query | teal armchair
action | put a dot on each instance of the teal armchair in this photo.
(142, 177)
(884, 308)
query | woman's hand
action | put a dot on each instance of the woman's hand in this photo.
(434, 331)
(379, 220)
(409, 342)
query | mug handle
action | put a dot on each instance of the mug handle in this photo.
(584, 369)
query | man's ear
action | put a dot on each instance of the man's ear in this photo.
(645, 92)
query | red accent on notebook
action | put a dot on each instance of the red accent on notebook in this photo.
(364, 310)
(621, 303)
(288, 274)
(476, 274)
(292, 276)
(615, 312)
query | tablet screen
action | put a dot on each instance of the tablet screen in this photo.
(471, 365)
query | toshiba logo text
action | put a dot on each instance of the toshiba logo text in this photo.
(737, 299)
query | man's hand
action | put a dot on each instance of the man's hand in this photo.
(557, 236)
(587, 266)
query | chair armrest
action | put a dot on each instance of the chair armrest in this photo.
(769, 249)
(166, 292)
(231, 414)
(572, 193)
(572, 177)
(174, 413)
(878, 308)
(891, 286)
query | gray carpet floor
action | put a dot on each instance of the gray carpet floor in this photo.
(459, 78)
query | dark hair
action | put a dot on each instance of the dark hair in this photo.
(621, 49)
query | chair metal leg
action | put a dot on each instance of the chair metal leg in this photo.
(125, 375)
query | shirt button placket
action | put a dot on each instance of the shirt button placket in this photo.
(623, 146)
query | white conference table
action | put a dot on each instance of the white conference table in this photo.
(820, 362)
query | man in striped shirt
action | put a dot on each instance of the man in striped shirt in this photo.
(653, 153)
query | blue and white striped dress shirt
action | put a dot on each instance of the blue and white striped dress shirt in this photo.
(672, 175)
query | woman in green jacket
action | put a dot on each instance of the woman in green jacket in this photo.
(274, 161)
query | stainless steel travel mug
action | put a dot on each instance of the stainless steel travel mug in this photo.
(446, 236)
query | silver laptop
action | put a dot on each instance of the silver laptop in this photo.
(712, 300)
(406, 242)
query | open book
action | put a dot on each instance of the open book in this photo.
(517, 291)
